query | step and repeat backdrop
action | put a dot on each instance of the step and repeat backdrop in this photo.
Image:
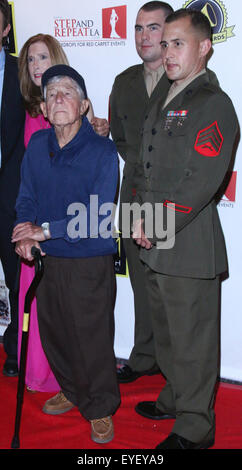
(98, 38)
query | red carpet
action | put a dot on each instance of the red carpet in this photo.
(71, 431)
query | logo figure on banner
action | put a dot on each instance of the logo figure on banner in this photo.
(114, 22)
(217, 15)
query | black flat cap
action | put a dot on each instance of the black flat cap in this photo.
(65, 71)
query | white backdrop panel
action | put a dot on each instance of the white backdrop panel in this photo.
(99, 59)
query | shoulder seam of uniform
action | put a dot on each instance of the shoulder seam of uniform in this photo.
(130, 70)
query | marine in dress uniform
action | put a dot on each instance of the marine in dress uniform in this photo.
(186, 152)
(133, 94)
(130, 103)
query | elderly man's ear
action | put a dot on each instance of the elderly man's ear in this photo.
(43, 108)
(84, 107)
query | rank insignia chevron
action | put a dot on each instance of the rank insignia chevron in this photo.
(209, 141)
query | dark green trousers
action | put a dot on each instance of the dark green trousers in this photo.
(185, 315)
(142, 356)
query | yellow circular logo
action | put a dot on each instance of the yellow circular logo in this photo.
(216, 13)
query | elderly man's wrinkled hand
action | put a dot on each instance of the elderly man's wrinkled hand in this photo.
(100, 126)
(23, 248)
(27, 230)
(139, 236)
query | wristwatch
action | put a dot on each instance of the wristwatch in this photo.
(46, 229)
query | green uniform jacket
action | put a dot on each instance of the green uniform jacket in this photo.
(186, 152)
(129, 104)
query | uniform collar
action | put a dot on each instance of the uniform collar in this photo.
(155, 73)
(176, 89)
(152, 77)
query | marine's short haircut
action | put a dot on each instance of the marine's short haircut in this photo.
(198, 20)
(156, 5)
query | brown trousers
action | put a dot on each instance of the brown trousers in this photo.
(75, 301)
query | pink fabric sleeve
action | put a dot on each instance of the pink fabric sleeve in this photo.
(33, 125)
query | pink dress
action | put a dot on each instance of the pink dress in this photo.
(38, 372)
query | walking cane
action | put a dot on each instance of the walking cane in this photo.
(39, 269)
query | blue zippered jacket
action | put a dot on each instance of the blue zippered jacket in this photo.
(57, 185)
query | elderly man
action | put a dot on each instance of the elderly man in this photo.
(186, 152)
(63, 168)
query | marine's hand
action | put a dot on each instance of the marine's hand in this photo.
(139, 236)
(100, 126)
